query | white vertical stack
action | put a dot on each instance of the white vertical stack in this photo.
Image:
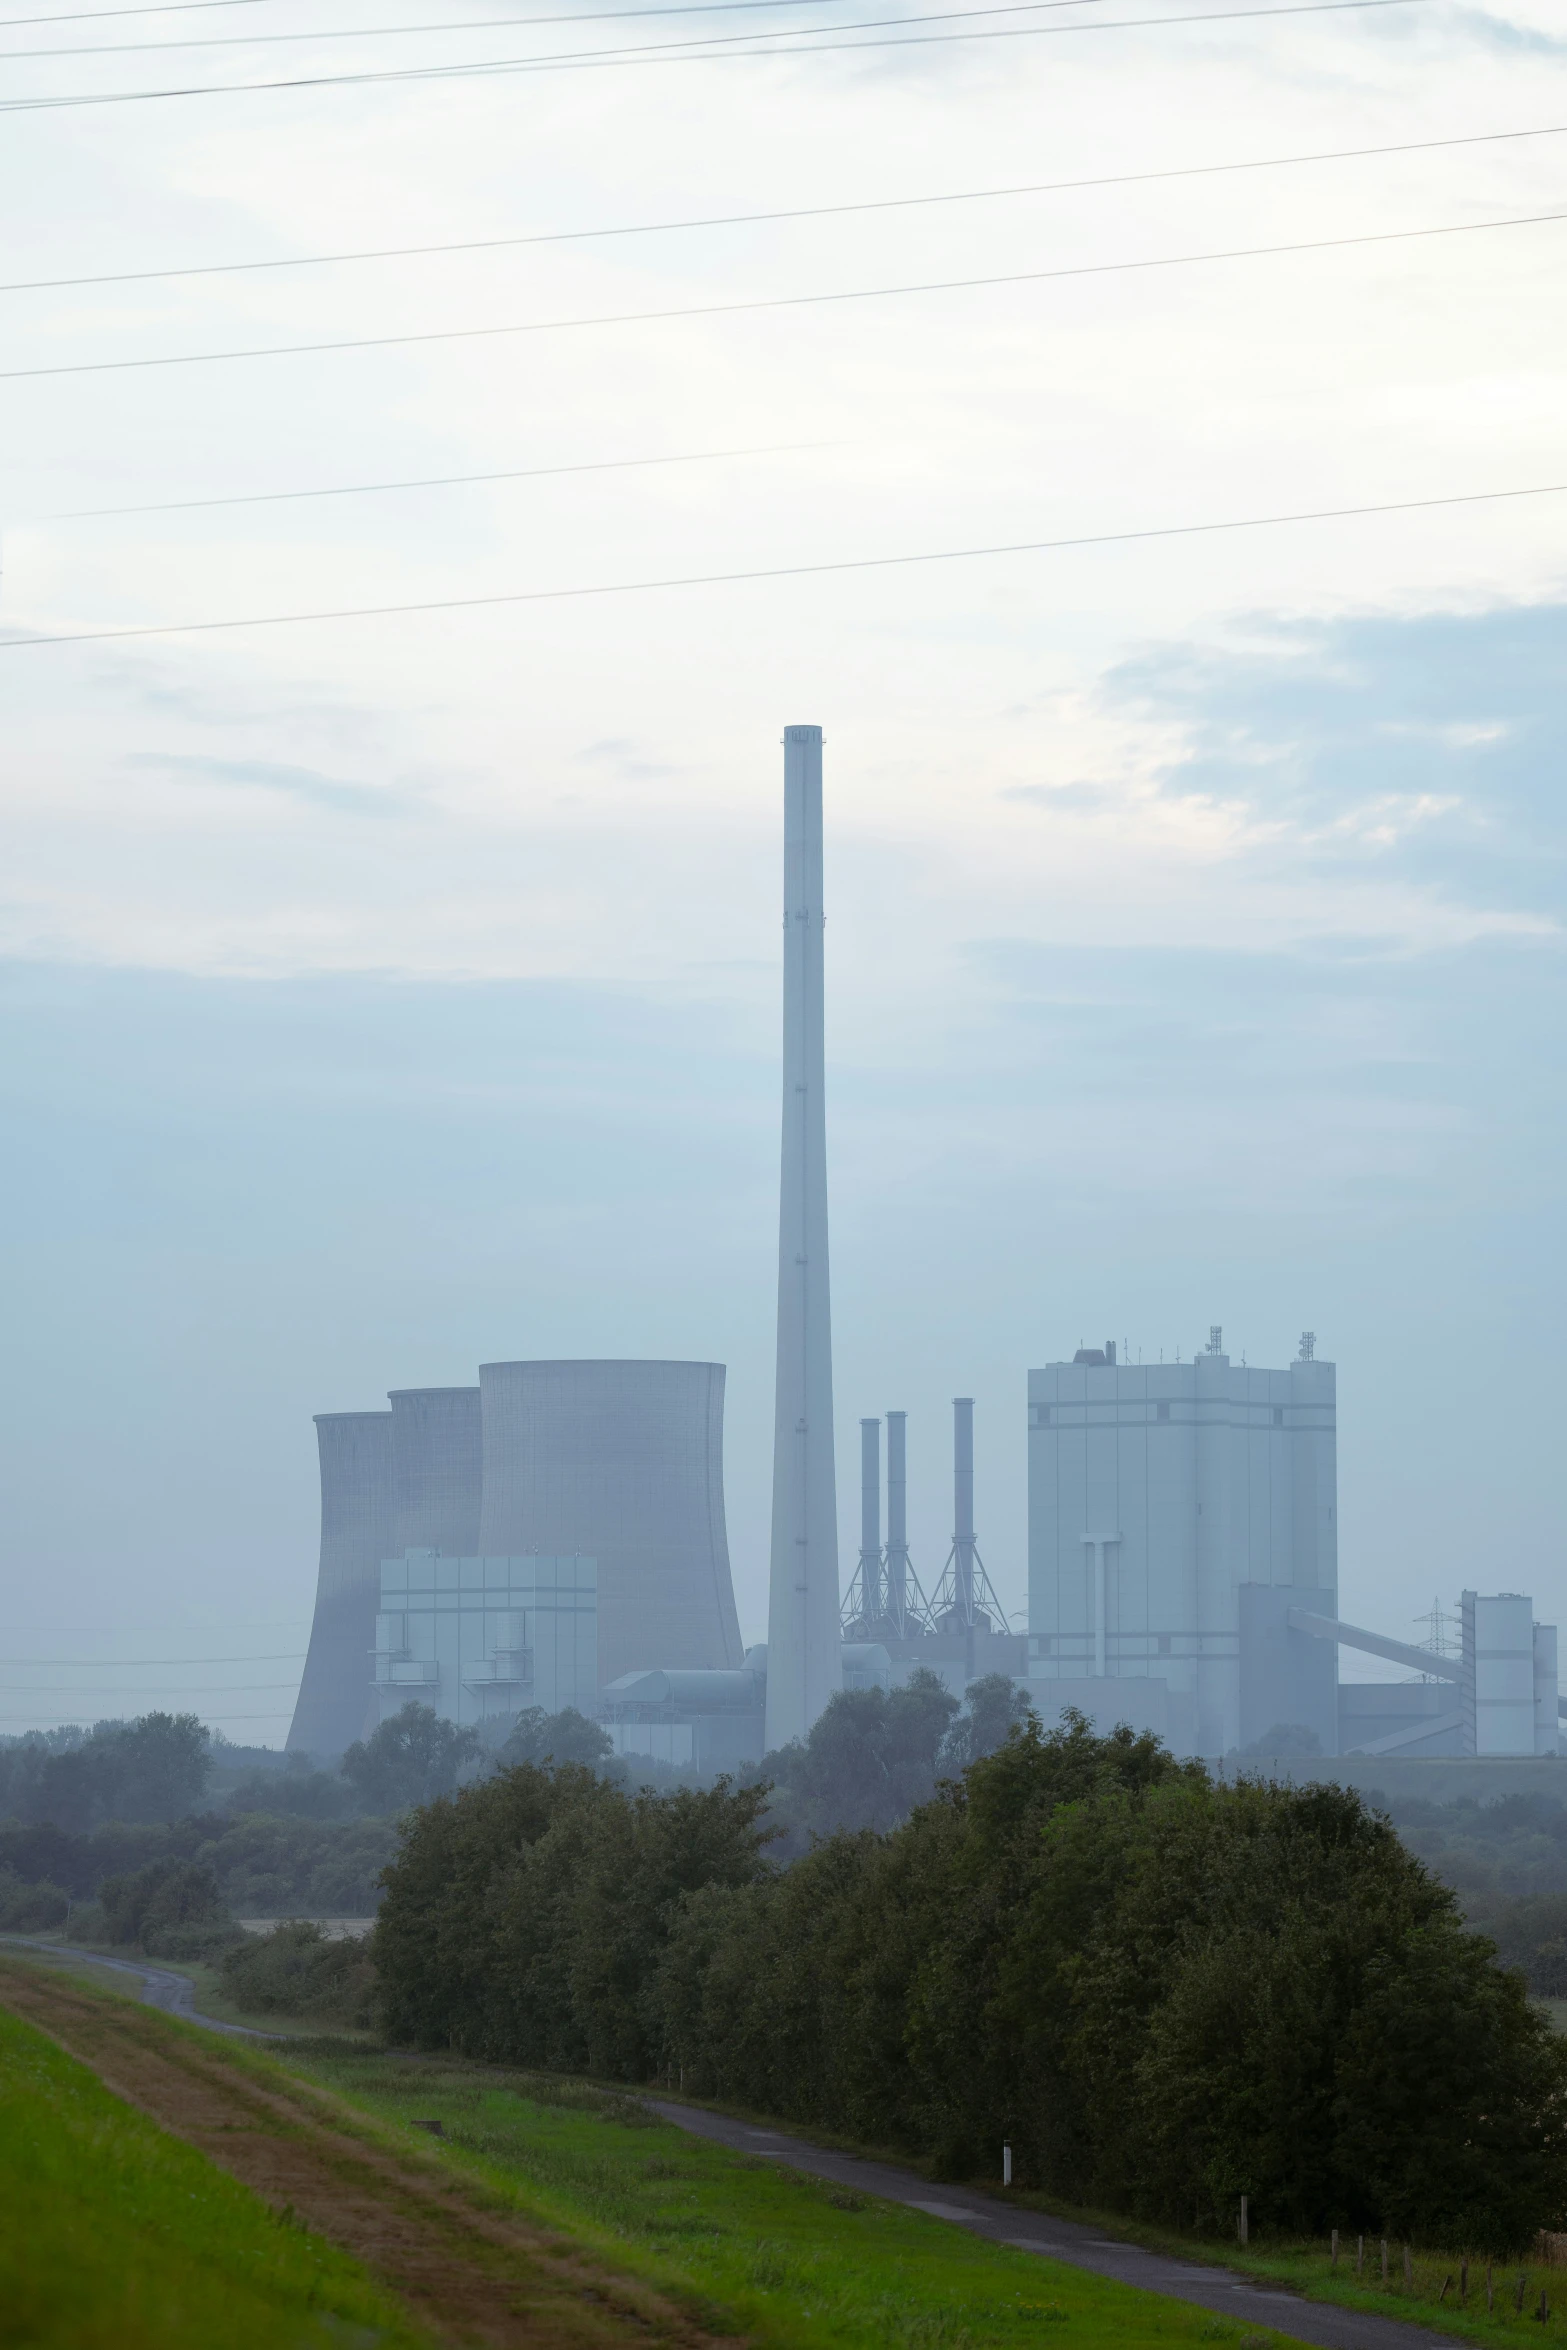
(804, 1664)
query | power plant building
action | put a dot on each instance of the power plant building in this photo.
(479, 1639)
(358, 1529)
(1177, 1511)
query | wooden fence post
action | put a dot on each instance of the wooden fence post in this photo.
(1360, 2255)
(1333, 2263)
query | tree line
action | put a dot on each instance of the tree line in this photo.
(1162, 1993)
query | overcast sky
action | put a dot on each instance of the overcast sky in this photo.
(390, 994)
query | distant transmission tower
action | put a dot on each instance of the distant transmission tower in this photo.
(1439, 1630)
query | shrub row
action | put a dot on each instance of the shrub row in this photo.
(1162, 1993)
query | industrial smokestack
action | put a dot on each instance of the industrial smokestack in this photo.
(963, 1502)
(965, 1597)
(870, 1515)
(804, 1662)
(897, 1519)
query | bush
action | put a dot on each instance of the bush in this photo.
(31, 1909)
(170, 1908)
(295, 1970)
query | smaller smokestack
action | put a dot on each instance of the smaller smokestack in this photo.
(870, 1507)
(897, 1519)
(963, 1502)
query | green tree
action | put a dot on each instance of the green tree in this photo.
(566, 1737)
(412, 1758)
(992, 1705)
(869, 1759)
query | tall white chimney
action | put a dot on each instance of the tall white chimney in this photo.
(804, 1658)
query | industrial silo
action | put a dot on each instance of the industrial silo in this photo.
(437, 1466)
(622, 1462)
(358, 1526)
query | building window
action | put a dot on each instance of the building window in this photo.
(1164, 1644)
(1163, 1410)
(1039, 1415)
(1042, 1644)
(1278, 1415)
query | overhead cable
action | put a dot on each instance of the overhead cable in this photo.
(947, 285)
(488, 24)
(637, 587)
(812, 43)
(432, 481)
(281, 1714)
(82, 1689)
(654, 228)
(96, 15)
(126, 1664)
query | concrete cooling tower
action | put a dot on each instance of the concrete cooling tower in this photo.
(622, 1462)
(358, 1529)
(437, 1467)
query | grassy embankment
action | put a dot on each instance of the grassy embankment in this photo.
(881, 2274)
(592, 2221)
(788, 2256)
(119, 2237)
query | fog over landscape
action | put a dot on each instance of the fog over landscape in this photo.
(389, 995)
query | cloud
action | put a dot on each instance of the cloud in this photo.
(1426, 746)
(299, 783)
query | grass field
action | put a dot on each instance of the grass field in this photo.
(788, 2257)
(119, 2237)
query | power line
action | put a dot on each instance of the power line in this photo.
(434, 481)
(651, 228)
(247, 1688)
(96, 15)
(125, 1664)
(945, 285)
(812, 44)
(476, 24)
(633, 587)
(283, 1714)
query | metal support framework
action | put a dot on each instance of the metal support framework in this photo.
(884, 1601)
(965, 1593)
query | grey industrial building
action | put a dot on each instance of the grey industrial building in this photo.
(1183, 1573)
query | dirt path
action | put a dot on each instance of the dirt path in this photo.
(469, 2266)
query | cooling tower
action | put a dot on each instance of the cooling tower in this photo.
(437, 1466)
(358, 1525)
(622, 1462)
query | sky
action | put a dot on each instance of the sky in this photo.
(384, 995)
